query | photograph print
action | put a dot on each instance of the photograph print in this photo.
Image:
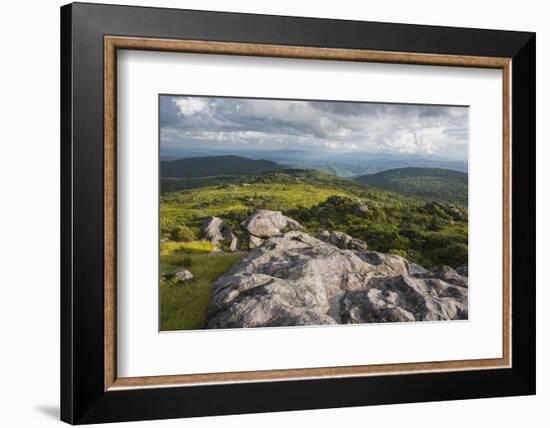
(286, 213)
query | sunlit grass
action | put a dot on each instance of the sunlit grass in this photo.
(184, 307)
(210, 201)
(170, 247)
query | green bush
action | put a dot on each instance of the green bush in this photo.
(181, 234)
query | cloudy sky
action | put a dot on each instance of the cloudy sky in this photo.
(241, 123)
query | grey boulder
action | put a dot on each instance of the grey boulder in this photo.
(266, 224)
(215, 230)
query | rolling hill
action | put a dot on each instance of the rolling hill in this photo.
(426, 183)
(216, 166)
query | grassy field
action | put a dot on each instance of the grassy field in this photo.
(183, 308)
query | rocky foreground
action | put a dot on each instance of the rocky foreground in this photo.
(294, 279)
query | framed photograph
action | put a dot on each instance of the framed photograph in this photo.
(266, 213)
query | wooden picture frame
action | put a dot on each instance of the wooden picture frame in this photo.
(91, 390)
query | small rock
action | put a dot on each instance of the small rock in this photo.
(343, 241)
(182, 277)
(361, 210)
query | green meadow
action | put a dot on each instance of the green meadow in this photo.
(185, 307)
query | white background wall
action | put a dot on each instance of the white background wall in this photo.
(29, 213)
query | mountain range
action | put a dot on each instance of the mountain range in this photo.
(343, 164)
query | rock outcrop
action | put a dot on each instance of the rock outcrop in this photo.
(215, 230)
(296, 279)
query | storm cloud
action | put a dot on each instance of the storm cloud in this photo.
(236, 123)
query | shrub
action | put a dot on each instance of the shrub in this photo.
(398, 252)
(181, 234)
